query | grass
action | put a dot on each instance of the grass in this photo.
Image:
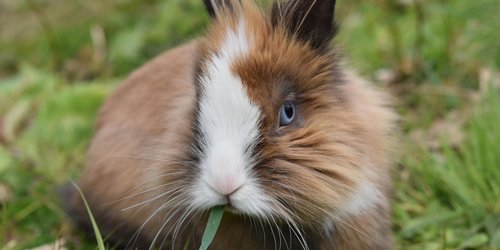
(213, 222)
(454, 193)
(59, 60)
(97, 232)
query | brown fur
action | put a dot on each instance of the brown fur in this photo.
(341, 139)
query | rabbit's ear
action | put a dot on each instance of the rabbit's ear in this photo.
(308, 20)
(215, 6)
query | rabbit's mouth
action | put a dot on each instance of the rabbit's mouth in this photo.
(231, 209)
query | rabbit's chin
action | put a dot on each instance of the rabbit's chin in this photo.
(249, 199)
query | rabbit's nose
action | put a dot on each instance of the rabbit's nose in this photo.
(224, 170)
(227, 186)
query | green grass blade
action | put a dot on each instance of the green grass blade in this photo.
(100, 242)
(213, 223)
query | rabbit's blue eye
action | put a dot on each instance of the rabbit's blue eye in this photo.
(287, 114)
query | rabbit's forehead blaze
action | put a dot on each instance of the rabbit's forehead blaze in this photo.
(228, 117)
(248, 54)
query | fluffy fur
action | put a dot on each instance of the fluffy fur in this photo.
(199, 126)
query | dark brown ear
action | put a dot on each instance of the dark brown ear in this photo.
(307, 20)
(214, 6)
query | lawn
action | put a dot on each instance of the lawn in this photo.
(441, 59)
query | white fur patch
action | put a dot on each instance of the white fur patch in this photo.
(229, 122)
(366, 196)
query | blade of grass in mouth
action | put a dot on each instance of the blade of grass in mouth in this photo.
(213, 223)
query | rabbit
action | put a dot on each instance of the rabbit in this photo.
(259, 115)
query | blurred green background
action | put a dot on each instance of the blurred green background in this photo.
(59, 59)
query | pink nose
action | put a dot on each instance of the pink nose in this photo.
(227, 187)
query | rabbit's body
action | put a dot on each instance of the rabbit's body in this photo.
(202, 125)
